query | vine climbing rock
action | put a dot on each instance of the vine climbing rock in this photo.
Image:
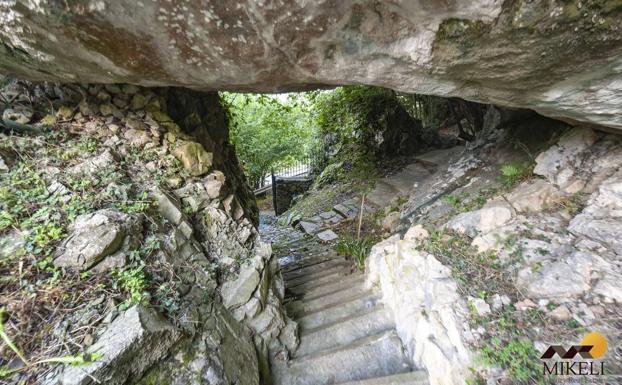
(560, 58)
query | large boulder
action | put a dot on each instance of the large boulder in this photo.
(560, 58)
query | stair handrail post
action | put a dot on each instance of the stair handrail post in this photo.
(274, 191)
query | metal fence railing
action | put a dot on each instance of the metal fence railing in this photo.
(299, 168)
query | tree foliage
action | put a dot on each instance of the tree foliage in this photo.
(269, 130)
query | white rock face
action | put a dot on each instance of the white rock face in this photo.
(559, 58)
(533, 196)
(429, 313)
(601, 220)
(483, 220)
(561, 279)
(558, 163)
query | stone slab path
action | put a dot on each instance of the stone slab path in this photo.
(387, 190)
(346, 335)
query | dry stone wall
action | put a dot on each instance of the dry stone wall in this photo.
(215, 307)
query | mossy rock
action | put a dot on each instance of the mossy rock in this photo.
(194, 158)
(64, 113)
(161, 117)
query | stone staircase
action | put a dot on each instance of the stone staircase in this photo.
(347, 337)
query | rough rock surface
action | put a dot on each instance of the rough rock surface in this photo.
(131, 344)
(222, 354)
(482, 220)
(255, 298)
(193, 156)
(602, 218)
(428, 311)
(549, 243)
(96, 236)
(559, 58)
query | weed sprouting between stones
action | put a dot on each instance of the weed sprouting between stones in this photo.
(357, 249)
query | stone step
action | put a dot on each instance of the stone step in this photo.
(317, 272)
(338, 311)
(295, 262)
(382, 194)
(345, 331)
(315, 279)
(419, 377)
(405, 179)
(339, 269)
(311, 265)
(299, 308)
(304, 292)
(316, 267)
(374, 356)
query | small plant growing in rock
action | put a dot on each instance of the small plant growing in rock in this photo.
(134, 282)
(452, 200)
(571, 204)
(358, 249)
(512, 173)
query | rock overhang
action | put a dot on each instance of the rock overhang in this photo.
(561, 59)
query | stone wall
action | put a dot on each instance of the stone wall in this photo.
(288, 188)
(165, 196)
(201, 115)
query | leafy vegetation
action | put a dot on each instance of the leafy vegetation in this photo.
(519, 356)
(269, 131)
(37, 206)
(357, 249)
(512, 173)
(362, 124)
(134, 282)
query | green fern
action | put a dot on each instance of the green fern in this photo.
(511, 173)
